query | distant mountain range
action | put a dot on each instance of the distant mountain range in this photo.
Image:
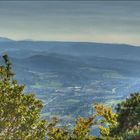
(30, 48)
(63, 57)
(70, 76)
(45, 55)
(4, 39)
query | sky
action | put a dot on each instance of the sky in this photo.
(82, 21)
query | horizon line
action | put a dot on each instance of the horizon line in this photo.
(68, 41)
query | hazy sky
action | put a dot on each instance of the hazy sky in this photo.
(102, 21)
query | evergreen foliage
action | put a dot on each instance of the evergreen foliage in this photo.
(19, 113)
(128, 117)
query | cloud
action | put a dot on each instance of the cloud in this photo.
(71, 20)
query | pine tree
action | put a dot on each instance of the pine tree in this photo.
(19, 113)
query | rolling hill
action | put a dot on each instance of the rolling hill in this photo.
(70, 76)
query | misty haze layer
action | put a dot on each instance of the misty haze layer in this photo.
(91, 21)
